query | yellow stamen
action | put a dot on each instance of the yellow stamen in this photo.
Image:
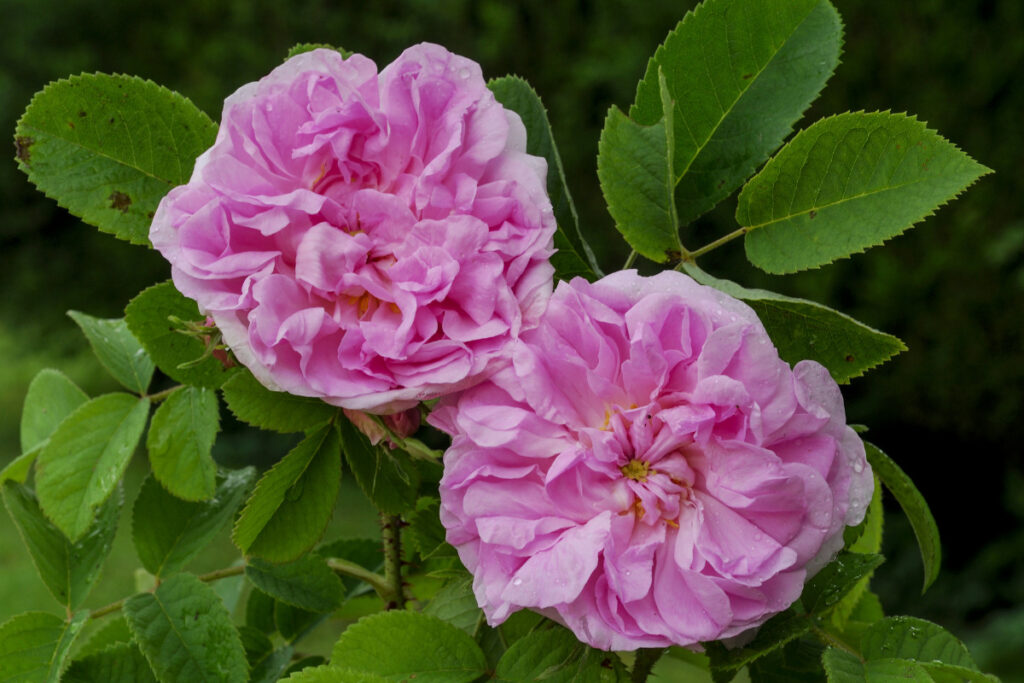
(323, 172)
(637, 470)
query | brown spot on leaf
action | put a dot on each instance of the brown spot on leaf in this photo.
(150, 215)
(849, 358)
(120, 201)
(81, 114)
(607, 663)
(111, 120)
(747, 76)
(812, 214)
(721, 183)
(71, 125)
(673, 255)
(23, 148)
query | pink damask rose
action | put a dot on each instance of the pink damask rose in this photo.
(371, 239)
(648, 472)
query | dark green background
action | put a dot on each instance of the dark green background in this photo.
(951, 410)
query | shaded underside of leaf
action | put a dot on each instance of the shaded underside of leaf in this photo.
(807, 330)
(914, 507)
(575, 256)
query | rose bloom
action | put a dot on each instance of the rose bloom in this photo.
(369, 239)
(648, 472)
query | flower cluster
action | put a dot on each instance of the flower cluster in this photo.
(370, 239)
(630, 457)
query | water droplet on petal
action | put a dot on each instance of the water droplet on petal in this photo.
(858, 467)
(463, 73)
(517, 582)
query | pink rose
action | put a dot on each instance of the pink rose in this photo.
(369, 239)
(649, 472)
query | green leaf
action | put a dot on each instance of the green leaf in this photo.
(305, 662)
(806, 330)
(333, 674)
(180, 443)
(740, 73)
(575, 256)
(289, 510)
(556, 656)
(168, 532)
(108, 148)
(149, 318)
(117, 350)
(456, 604)
(122, 663)
(949, 673)
(388, 478)
(34, 646)
(277, 411)
(51, 397)
(271, 666)
(114, 632)
(399, 645)
(68, 569)
(259, 611)
(266, 664)
(186, 633)
(837, 579)
(425, 533)
(293, 623)
(307, 583)
(18, 469)
(912, 638)
(914, 507)
(774, 634)
(635, 167)
(847, 183)
(80, 466)
(844, 667)
(799, 661)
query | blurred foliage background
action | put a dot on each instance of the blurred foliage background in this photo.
(950, 411)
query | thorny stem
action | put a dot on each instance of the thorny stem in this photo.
(390, 533)
(645, 660)
(208, 577)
